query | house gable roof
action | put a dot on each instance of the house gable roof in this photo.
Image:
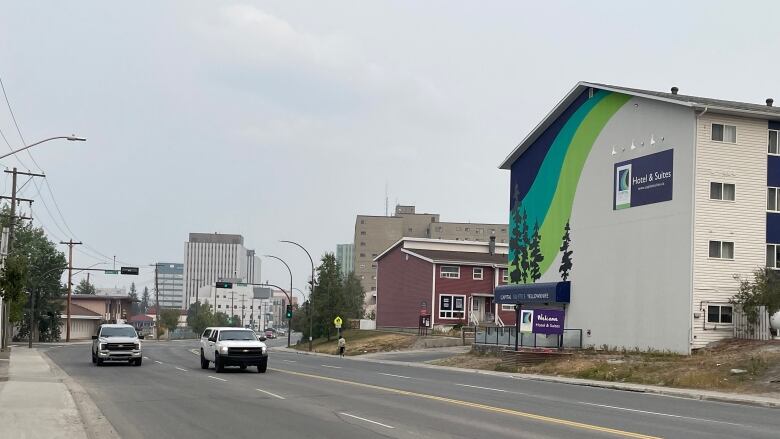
(460, 258)
(721, 106)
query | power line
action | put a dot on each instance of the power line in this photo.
(13, 117)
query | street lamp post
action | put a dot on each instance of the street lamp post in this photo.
(289, 319)
(313, 283)
(72, 138)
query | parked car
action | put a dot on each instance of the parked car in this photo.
(270, 334)
(232, 347)
(117, 343)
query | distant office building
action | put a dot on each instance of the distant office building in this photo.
(346, 258)
(375, 234)
(209, 257)
(170, 282)
(250, 304)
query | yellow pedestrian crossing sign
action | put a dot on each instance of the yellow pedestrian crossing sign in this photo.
(337, 321)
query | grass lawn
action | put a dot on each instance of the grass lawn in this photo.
(361, 342)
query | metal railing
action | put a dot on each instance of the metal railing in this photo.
(505, 336)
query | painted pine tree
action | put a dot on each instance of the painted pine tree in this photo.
(515, 240)
(536, 256)
(525, 243)
(566, 261)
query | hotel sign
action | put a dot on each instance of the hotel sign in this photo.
(643, 180)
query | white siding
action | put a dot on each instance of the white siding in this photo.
(742, 221)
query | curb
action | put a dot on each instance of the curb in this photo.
(5, 364)
(757, 401)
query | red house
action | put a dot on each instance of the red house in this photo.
(452, 281)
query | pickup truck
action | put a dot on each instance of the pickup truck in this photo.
(117, 343)
(232, 347)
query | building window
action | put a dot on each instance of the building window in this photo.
(478, 231)
(466, 229)
(505, 277)
(772, 255)
(449, 272)
(362, 221)
(724, 133)
(722, 191)
(772, 146)
(362, 255)
(771, 199)
(362, 244)
(362, 233)
(477, 274)
(410, 230)
(719, 314)
(219, 306)
(721, 250)
(507, 307)
(452, 306)
(373, 265)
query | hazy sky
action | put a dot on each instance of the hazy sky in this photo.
(283, 120)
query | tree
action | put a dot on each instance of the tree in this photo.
(14, 284)
(536, 256)
(169, 319)
(200, 316)
(145, 300)
(84, 287)
(135, 306)
(354, 297)
(566, 261)
(515, 242)
(762, 290)
(221, 319)
(525, 243)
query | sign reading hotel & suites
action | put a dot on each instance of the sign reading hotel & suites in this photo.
(643, 180)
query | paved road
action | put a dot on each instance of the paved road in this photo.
(305, 396)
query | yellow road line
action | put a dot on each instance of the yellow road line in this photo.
(573, 424)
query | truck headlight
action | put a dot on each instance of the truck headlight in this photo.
(102, 346)
(223, 349)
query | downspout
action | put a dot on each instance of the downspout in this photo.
(693, 225)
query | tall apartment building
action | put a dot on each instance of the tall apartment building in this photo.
(209, 257)
(170, 281)
(645, 205)
(346, 258)
(375, 234)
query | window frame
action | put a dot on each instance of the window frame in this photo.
(443, 313)
(720, 307)
(723, 192)
(777, 195)
(507, 307)
(505, 275)
(720, 250)
(723, 131)
(768, 145)
(775, 247)
(481, 273)
(441, 272)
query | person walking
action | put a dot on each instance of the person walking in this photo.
(342, 346)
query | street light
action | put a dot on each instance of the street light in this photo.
(289, 319)
(313, 283)
(72, 138)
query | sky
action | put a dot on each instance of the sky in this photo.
(285, 119)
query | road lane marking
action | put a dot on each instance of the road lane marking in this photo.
(332, 367)
(289, 361)
(158, 362)
(221, 379)
(397, 376)
(183, 370)
(146, 358)
(366, 420)
(269, 393)
(659, 414)
(480, 387)
(475, 405)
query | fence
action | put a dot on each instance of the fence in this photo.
(754, 331)
(571, 338)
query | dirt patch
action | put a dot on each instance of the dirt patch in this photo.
(361, 342)
(709, 368)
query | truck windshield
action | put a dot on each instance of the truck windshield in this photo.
(118, 332)
(237, 335)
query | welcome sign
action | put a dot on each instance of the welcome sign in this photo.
(643, 180)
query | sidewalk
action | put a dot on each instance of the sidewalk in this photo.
(35, 403)
(733, 398)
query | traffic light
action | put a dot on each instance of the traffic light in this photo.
(224, 284)
(289, 311)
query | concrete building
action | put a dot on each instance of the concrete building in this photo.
(346, 258)
(245, 301)
(644, 205)
(374, 234)
(209, 257)
(452, 281)
(170, 281)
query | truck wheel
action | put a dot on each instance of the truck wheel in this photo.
(99, 362)
(261, 368)
(137, 361)
(204, 363)
(94, 358)
(218, 366)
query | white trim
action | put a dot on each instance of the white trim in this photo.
(408, 252)
(778, 142)
(707, 321)
(722, 184)
(433, 295)
(441, 273)
(440, 241)
(724, 125)
(721, 258)
(505, 305)
(452, 311)
(777, 199)
(474, 273)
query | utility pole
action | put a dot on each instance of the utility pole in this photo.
(70, 245)
(243, 297)
(157, 303)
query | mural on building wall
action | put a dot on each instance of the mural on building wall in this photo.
(544, 181)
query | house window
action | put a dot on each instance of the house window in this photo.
(507, 307)
(772, 255)
(719, 314)
(772, 146)
(505, 276)
(449, 272)
(771, 199)
(477, 273)
(724, 133)
(452, 306)
(722, 191)
(721, 250)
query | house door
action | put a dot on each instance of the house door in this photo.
(478, 308)
(489, 314)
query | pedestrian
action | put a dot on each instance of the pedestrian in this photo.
(342, 345)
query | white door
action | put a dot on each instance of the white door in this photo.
(478, 307)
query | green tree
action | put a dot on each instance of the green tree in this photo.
(14, 284)
(84, 287)
(566, 261)
(145, 300)
(525, 244)
(327, 297)
(354, 297)
(221, 319)
(169, 319)
(515, 240)
(762, 290)
(536, 256)
(200, 316)
(135, 306)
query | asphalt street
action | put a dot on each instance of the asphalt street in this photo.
(321, 397)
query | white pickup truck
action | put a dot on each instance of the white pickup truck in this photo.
(232, 347)
(117, 343)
